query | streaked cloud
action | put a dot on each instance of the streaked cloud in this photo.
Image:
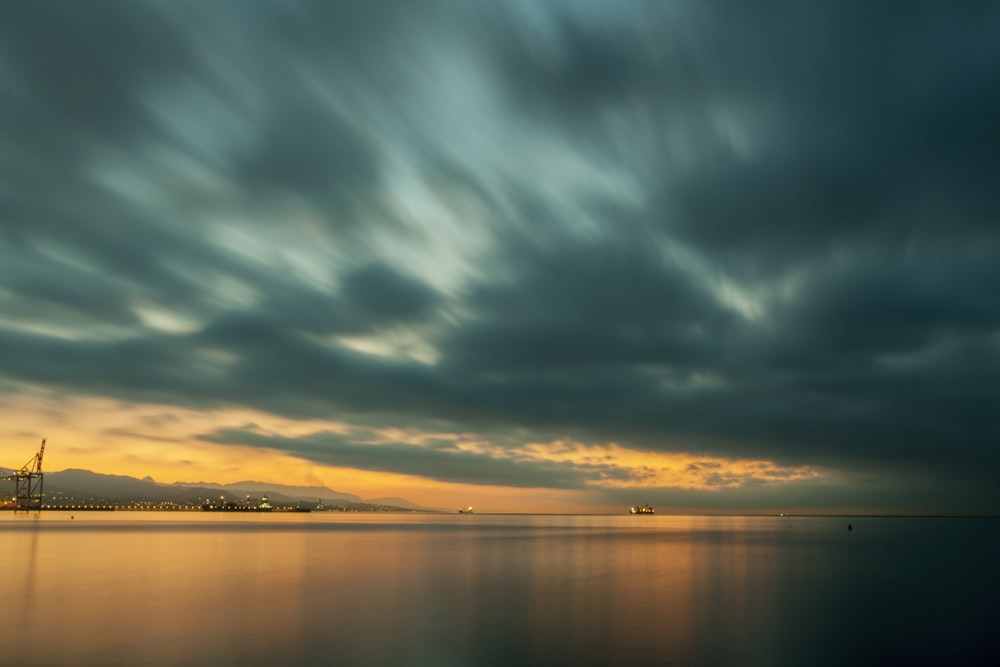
(679, 235)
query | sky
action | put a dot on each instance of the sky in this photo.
(533, 256)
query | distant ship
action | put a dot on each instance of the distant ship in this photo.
(465, 510)
(641, 509)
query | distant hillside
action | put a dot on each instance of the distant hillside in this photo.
(397, 502)
(84, 484)
(299, 492)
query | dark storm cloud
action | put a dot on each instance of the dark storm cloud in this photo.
(763, 231)
(603, 303)
(383, 294)
(73, 72)
(579, 65)
(306, 149)
(372, 297)
(436, 463)
(882, 119)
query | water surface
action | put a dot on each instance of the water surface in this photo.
(479, 590)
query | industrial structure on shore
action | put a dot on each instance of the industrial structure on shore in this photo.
(28, 482)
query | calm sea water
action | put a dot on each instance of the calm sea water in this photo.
(398, 590)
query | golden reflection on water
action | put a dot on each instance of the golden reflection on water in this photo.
(154, 589)
(333, 589)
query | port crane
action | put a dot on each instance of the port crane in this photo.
(28, 482)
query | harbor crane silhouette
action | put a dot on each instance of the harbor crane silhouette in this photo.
(28, 482)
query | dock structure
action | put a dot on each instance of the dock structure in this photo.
(28, 482)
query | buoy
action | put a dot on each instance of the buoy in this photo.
(850, 527)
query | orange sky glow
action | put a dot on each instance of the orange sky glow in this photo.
(113, 437)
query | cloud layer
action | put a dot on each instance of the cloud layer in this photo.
(765, 233)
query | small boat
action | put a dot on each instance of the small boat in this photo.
(641, 509)
(465, 510)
